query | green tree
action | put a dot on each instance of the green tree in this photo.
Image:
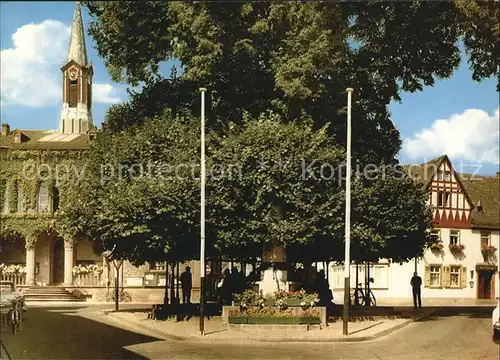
(264, 193)
(140, 191)
(284, 184)
(295, 57)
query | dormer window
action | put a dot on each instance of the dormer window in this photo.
(17, 138)
(480, 206)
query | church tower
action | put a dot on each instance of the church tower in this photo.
(76, 115)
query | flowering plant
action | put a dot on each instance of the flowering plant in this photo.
(249, 298)
(307, 300)
(91, 269)
(273, 312)
(12, 269)
(488, 250)
(437, 245)
(456, 247)
(269, 312)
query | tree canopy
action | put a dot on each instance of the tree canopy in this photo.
(267, 182)
(140, 191)
(293, 58)
(276, 74)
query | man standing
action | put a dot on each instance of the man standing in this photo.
(187, 285)
(416, 283)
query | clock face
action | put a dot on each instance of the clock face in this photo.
(73, 73)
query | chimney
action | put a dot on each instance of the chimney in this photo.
(5, 129)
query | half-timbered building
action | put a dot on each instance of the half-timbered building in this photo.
(461, 265)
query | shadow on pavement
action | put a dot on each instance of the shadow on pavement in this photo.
(62, 333)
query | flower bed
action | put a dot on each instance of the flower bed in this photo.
(456, 248)
(92, 269)
(437, 246)
(281, 299)
(12, 269)
(488, 250)
(273, 315)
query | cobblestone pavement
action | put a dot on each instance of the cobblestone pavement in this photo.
(83, 333)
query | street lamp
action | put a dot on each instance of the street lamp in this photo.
(202, 216)
(347, 262)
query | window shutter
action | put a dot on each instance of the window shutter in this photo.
(441, 276)
(463, 277)
(447, 277)
(427, 276)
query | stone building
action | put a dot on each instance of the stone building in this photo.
(33, 251)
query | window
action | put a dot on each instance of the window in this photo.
(485, 239)
(42, 203)
(454, 237)
(455, 275)
(55, 199)
(21, 201)
(73, 93)
(380, 275)
(5, 197)
(435, 271)
(159, 266)
(443, 198)
(447, 176)
(89, 96)
(435, 235)
(439, 175)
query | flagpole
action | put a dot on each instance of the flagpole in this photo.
(202, 216)
(347, 262)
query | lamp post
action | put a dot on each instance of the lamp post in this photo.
(498, 277)
(347, 262)
(202, 216)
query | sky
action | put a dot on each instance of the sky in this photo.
(457, 116)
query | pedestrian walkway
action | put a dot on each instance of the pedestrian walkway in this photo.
(216, 331)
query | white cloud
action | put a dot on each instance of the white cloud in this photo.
(473, 135)
(30, 70)
(103, 93)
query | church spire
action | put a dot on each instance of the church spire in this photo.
(76, 115)
(77, 50)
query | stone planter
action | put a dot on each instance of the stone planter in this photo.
(238, 320)
(297, 313)
(274, 320)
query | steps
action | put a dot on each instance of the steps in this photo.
(48, 294)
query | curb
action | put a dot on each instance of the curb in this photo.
(145, 327)
(169, 336)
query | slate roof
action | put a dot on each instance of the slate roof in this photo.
(486, 189)
(45, 140)
(424, 172)
(77, 51)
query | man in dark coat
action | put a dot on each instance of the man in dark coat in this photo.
(187, 285)
(416, 283)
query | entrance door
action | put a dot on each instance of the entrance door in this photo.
(484, 285)
(58, 262)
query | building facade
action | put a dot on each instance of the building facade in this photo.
(461, 267)
(38, 167)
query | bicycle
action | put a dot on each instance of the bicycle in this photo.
(358, 296)
(14, 316)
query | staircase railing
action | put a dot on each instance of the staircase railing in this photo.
(87, 280)
(16, 278)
